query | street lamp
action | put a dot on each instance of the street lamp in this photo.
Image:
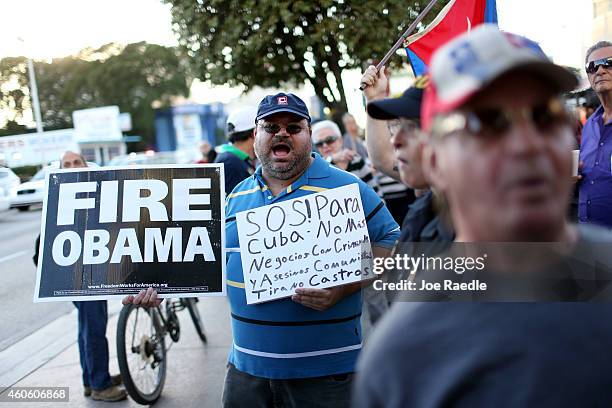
(35, 105)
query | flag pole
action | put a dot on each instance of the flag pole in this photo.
(401, 40)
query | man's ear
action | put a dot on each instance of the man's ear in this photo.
(432, 169)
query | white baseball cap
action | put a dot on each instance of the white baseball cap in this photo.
(241, 119)
(472, 61)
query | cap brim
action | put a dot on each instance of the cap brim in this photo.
(560, 79)
(394, 108)
(280, 110)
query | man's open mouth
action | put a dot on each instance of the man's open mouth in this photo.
(281, 150)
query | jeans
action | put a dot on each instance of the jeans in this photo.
(93, 346)
(242, 389)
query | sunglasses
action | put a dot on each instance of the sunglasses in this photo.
(496, 121)
(273, 128)
(593, 66)
(326, 141)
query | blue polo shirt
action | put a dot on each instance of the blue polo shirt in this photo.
(595, 199)
(282, 339)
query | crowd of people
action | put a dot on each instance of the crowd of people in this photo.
(479, 150)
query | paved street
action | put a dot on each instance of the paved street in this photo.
(19, 316)
(195, 371)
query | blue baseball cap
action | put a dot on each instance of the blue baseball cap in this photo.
(282, 102)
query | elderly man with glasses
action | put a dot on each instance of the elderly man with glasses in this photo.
(327, 138)
(595, 199)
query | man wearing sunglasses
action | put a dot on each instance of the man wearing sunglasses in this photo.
(298, 351)
(595, 198)
(500, 152)
(327, 139)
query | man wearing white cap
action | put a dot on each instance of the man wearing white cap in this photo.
(501, 155)
(237, 155)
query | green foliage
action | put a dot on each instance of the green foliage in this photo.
(25, 172)
(286, 42)
(133, 77)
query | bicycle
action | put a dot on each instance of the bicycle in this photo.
(141, 345)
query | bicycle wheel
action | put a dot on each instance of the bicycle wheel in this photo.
(141, 352)
(192, 306)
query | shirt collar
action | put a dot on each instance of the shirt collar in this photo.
(597, 116)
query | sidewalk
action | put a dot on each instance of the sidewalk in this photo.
(195, 371)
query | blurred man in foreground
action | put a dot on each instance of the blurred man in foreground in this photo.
(501, 155)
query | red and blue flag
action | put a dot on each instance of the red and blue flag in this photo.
(457, 17)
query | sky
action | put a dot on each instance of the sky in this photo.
(56, 28)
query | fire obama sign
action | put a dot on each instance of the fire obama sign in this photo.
(111, 232)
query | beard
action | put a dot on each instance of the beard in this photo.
(295, 164)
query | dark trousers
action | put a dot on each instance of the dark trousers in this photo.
(93, 346)
(245, 390)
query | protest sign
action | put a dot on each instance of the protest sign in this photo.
(316, 241)
(110, 232)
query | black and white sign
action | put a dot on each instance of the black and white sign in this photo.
(111, 232)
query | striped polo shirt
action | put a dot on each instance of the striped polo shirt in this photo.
(282, 339)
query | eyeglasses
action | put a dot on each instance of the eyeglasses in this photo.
(274, 128)
(327, 141)
(407, 125)
(496, 121)
(593, 66)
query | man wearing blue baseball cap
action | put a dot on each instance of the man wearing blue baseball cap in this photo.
(299, 351)
(500, 152)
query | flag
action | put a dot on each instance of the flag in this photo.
(455, 18)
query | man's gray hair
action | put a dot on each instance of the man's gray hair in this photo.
(70, 151)
(325, 124)
(598, 45)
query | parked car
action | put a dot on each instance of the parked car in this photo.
(34, 191)
(8, 187)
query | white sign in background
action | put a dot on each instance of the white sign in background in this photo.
(32, 148)
(316, 241)
(97, 124)
(188, 131)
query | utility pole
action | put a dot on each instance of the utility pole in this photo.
(35, 105)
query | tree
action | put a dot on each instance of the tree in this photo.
(134, 77)
(13, 89)
(286, 42)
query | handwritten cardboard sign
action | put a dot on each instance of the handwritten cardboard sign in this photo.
(316, 241)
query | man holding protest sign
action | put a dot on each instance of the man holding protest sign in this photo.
(93, 345)
(296, 345)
